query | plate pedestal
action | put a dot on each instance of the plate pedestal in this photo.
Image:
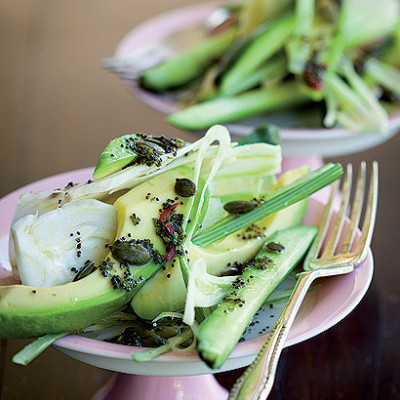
(140, 387)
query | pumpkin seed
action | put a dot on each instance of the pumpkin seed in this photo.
(239, 207)
(274, 247)
(86, 270)
(166, 331)
(141, 337)
(231, 271)
(185, 187)
(131, 253)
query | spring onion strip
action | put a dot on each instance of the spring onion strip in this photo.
(331, 109)
(34, 349)
(199, 312)
(361, 89)
(385, 74)
(215, 133)
(298, 46)
(203, 290)
(132, 176)
(278, 200)
(178, 343)
(167, 314)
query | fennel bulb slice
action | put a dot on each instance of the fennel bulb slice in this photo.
(40, 202)
(203, 289)
(52, 247)
(216, 133)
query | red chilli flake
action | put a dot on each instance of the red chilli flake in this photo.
(169, 227)
(165, 213)
(314, 75)
(170, 254)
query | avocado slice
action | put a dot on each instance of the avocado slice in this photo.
(137, 148)
(166, 290)
(27, 312)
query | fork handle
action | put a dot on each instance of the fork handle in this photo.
(257, 380)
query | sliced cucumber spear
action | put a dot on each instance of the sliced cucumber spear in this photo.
(221, 331)
(229, 109)
(34, 349)
(259, 51)
(180, 70)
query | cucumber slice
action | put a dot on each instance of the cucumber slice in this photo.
(221, 110)
(221, 331)
(187, 66)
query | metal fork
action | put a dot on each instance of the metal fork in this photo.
(329, 255)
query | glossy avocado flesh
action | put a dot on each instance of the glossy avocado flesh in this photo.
(167, 291)
(138, 148)
(27, 312)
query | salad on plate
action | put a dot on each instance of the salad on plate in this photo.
(171, 245)
(259, 57)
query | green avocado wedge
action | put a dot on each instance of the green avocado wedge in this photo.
(29, 312)
(187, 66)
(138, 148)
(166, 290)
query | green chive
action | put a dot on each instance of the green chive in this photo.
(278, 200)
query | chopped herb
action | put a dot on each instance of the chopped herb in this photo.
(135, 219)
(86, 270)
(169, 227)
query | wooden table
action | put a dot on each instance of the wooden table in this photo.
(58, 110)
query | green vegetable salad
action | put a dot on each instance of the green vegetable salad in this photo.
(340, 57)
(166, 236)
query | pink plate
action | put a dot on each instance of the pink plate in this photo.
(296, 141)
(331, 301)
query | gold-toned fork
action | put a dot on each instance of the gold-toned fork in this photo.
(334, 251)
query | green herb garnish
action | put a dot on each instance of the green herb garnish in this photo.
(278, 200)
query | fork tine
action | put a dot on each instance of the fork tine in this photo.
(356, 209)
(323, 225)
(370, 215)
(339, 221)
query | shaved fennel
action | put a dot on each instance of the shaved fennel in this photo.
(52, 247)
(203, 289)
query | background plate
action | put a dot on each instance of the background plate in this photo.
(300, 137)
